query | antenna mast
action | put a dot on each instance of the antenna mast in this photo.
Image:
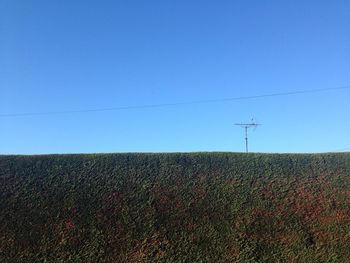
(246, 126)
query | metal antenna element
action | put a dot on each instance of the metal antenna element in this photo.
(246, 126)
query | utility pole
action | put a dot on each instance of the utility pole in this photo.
(246, 126)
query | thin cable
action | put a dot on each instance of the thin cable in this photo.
(25, 114)
(343, 150)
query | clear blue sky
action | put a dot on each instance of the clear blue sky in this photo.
(70, 55)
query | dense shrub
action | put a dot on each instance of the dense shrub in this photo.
(196, 207)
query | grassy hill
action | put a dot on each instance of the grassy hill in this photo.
(195, 207)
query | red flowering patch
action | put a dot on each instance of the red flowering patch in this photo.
(69, 224)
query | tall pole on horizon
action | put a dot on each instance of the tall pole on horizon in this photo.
(246, 126)
(246, 139)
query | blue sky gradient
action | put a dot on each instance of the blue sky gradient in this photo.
(72, 55)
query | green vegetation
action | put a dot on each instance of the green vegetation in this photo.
(196, 207)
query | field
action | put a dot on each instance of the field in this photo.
(181, 207)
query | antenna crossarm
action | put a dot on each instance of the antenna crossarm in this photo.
(246, 126)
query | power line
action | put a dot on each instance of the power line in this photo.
(343, 150)
(27, 114)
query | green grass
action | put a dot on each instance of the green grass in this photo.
(195, 207)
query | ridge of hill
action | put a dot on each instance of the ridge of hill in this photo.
(175, 207)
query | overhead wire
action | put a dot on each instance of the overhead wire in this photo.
(172, 104)
(342, 150)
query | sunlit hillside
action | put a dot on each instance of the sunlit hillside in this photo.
(195, 207)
